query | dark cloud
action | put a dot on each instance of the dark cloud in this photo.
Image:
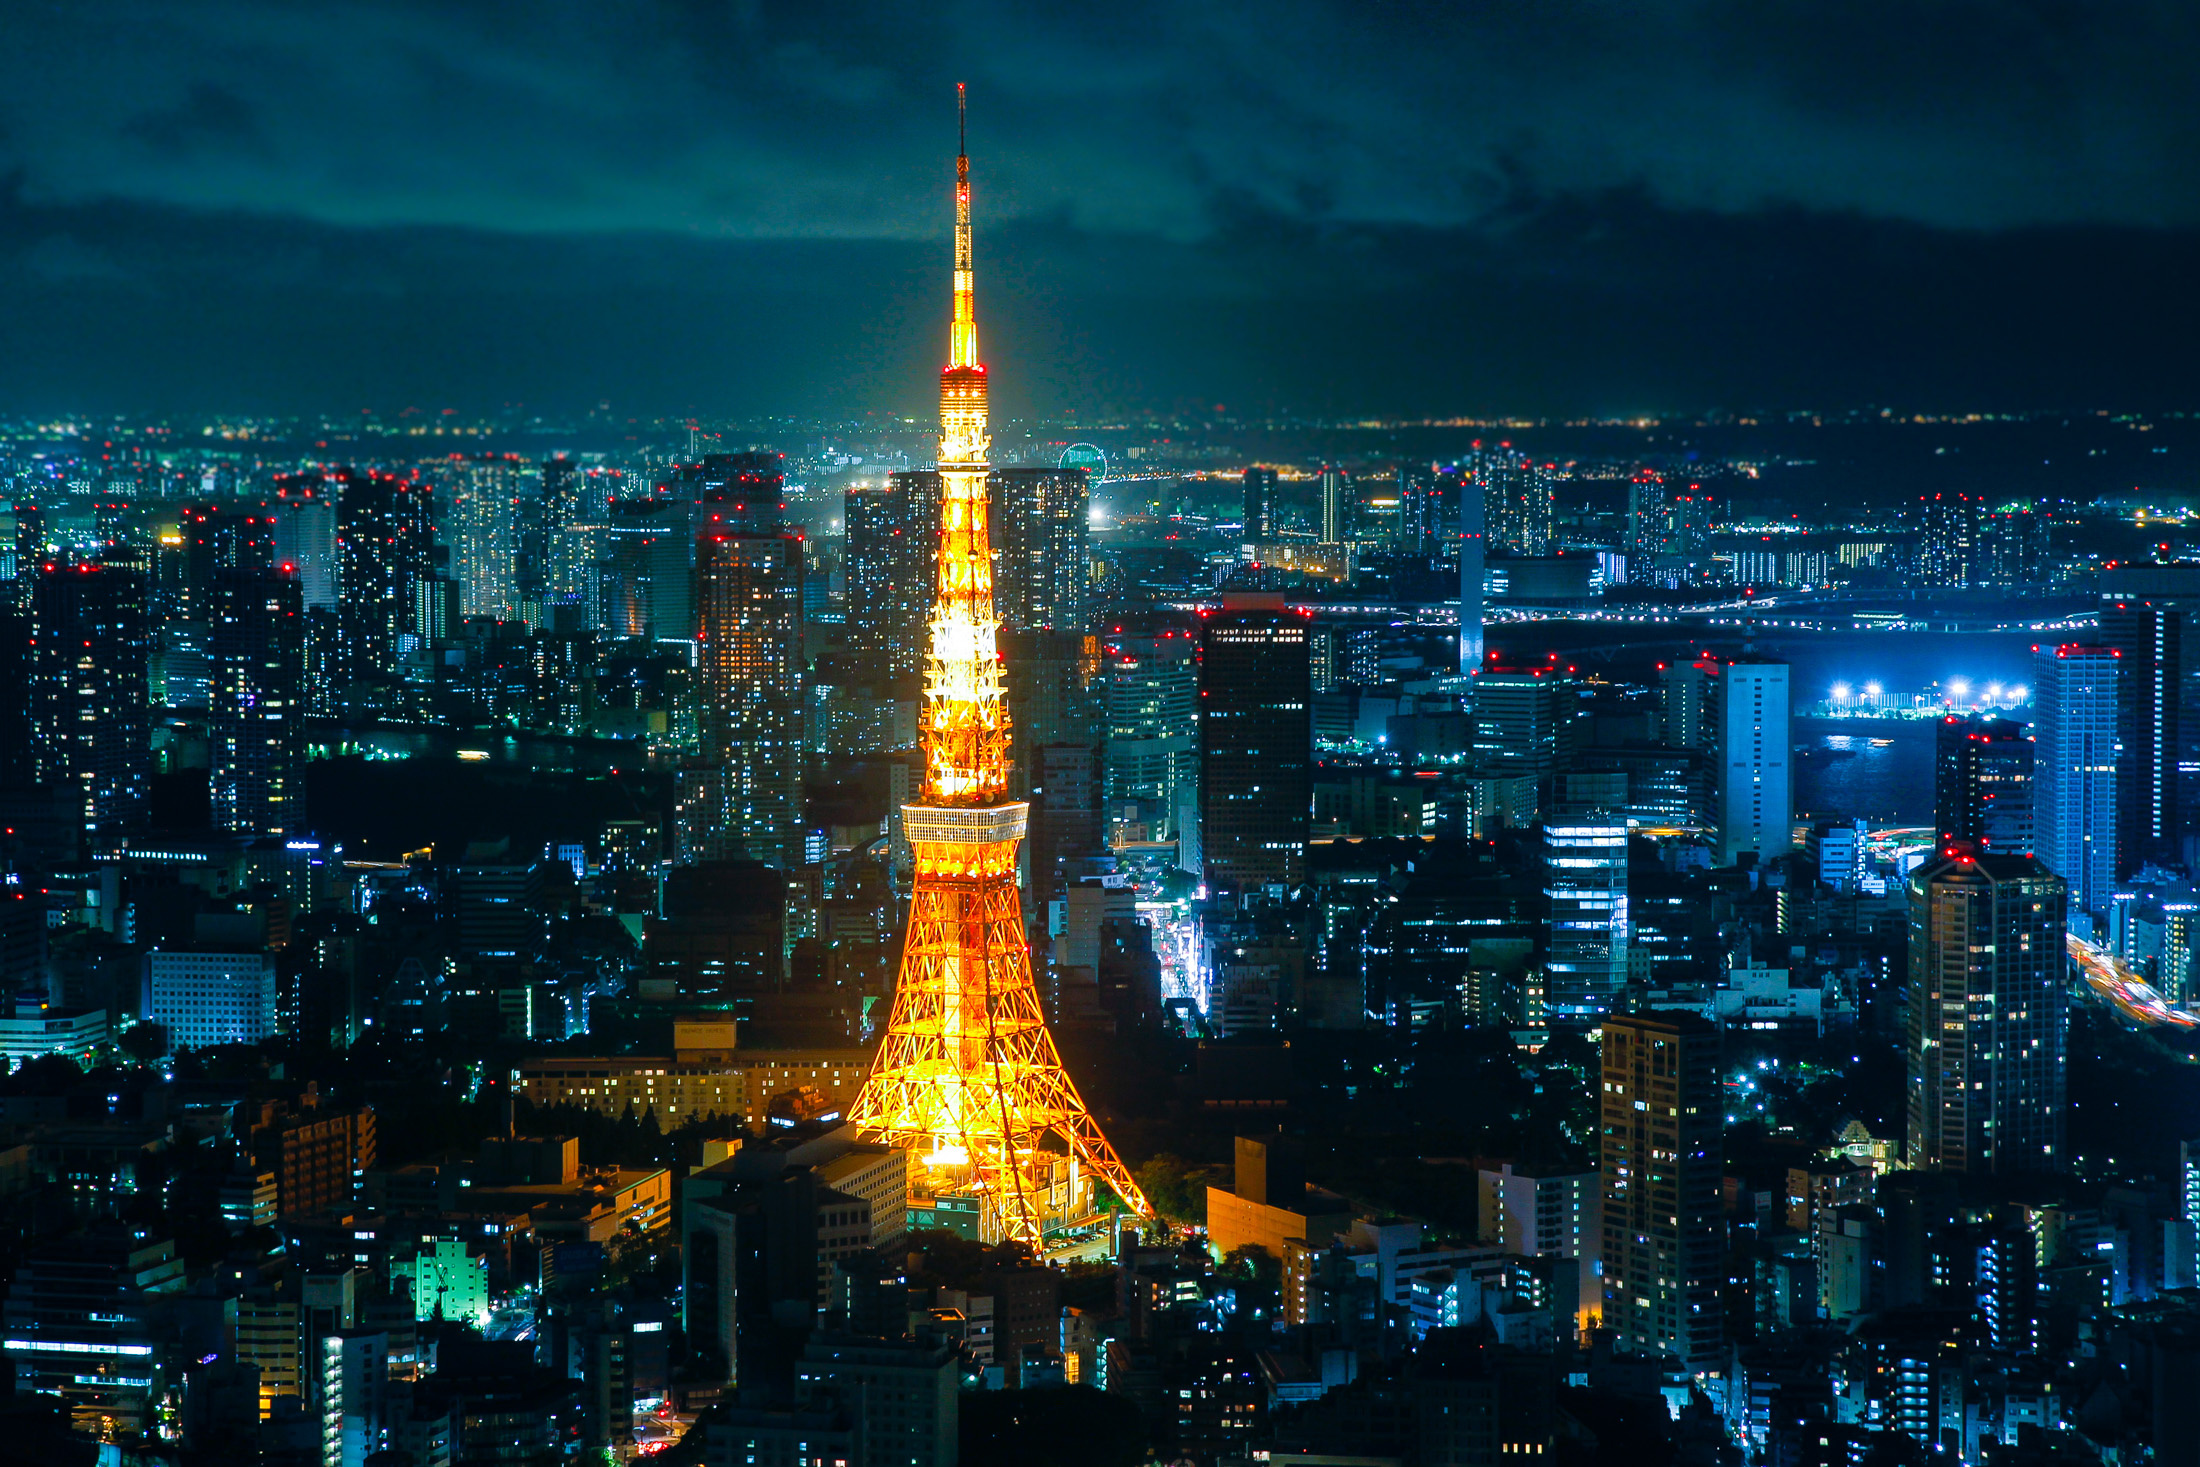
(1367, 206)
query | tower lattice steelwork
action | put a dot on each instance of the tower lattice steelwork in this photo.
(967, 1077)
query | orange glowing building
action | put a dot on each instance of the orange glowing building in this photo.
(967, 1077)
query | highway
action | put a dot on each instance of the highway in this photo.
(2131, 995)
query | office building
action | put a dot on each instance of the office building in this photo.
(1150, 699)
(2075, 754)
(1524, 721)
(1751, 763)
(1042, 560)
(1585, 881)
(748, 598)
(2146, 617)
(205, 999)
(305, 538)
(892, 534)
(90, 728)
(901, 1396)
(1255, 746)
(1546, 1212)
(1660, 1165)
(1982, 783)
(1988, 1016)
(1260, 506)
(255, 708)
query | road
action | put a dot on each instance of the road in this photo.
(2131, 995)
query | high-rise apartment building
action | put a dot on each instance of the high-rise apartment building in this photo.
(385, 546)
(1988, 1015)
(1255, 745)
(1336, 509)
(1982, 783)
(2075, 754)
(256, 708)
(1660, 1164)
(488, 508)
(90, 727)
(1948, 542)
(1585, 881)
(1519, 497)
(560, 560)
(748, 598)
(1042, 560)
(1260, 505)
(891, 569)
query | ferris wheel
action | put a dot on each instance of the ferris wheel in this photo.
(1088, 457)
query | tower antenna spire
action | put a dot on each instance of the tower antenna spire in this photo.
(962, 122)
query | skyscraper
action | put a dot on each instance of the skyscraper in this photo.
(385, 547)
(561, 557)
(1948, 544)
(2074, 690)
(1041, 556)
(1151, 704)
(305, 538)
(1988, 1017)
(90, 727)
(891, 554)
(1585, 881)
(1255, 745)
(2146, 617)
(256, 710)
(1335, 511)
(1260, 506)
(1472, 548)
(1524, 720)
(487, 512)
(1982, 784)
(1750, 759)
(1518, 500)
(967, 1078)
(1660, 1163)
(748, 599)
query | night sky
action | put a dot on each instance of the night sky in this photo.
(1361, 208)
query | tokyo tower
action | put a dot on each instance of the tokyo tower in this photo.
(967, 1078)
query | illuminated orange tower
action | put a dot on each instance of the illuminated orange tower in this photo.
(967, 1077)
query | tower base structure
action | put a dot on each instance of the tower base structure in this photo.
(967, 1078)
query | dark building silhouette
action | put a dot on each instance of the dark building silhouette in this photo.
(1982, 784)
(1255, 746)
(720, 935)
